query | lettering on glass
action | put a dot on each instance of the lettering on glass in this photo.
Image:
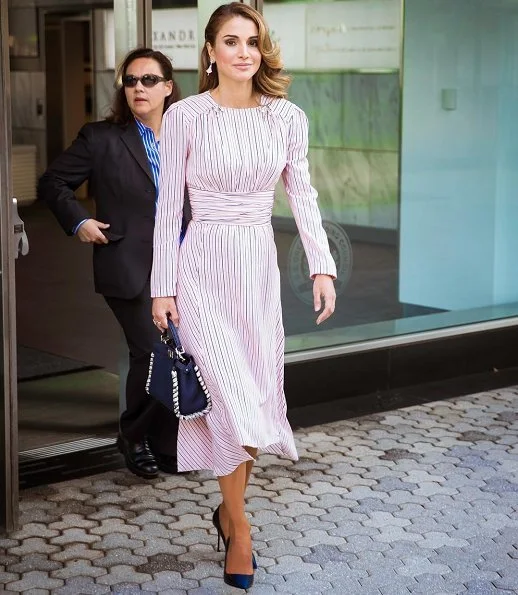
(353, 35)
(175, 34)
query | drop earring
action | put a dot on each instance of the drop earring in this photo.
(209, 69)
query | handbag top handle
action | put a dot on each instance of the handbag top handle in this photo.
(174, 334)
(170, 337)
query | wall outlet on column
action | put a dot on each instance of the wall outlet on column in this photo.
(449, 99)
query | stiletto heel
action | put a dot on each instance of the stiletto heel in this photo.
(217, 524)
(240, 581)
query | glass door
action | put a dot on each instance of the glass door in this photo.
(8, 412)
(67, 339)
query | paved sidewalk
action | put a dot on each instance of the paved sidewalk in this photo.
(418, 500)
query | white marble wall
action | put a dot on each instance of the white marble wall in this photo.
(354, 143)
(355, 187)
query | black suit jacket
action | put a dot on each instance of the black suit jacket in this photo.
(113, 159)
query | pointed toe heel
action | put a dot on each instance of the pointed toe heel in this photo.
(239, 581)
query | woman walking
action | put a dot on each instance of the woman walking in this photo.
(120, 159)
(229, 145)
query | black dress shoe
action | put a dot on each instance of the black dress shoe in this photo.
(139, 458)
(167, 463)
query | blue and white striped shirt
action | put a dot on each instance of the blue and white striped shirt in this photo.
(152, 147)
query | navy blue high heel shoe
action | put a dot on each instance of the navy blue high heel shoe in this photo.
(217, 524)
(240, 581)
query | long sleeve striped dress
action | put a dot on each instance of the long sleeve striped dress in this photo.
(224, 274)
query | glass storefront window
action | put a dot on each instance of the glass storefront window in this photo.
(414, 158)
(175, 33)
(344, 60)
(459, 161)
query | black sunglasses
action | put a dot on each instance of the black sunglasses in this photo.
(148, 80)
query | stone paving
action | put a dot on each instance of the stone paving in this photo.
(421, 500)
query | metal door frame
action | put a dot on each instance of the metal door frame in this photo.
(9, 410)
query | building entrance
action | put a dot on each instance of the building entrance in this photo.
(67, 340)
(67, 345)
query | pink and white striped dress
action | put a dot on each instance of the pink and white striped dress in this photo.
(225, 275)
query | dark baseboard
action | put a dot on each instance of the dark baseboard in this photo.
(397, 398)
(378, 371)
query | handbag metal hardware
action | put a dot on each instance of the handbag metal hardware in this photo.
(179, 354)
(180, 351)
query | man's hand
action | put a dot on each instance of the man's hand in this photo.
(90, 232)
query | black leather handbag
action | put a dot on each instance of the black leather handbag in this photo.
(175, 380)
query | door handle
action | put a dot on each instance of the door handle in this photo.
(21, 242)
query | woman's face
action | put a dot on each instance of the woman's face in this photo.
(146, 102)
(235, 50)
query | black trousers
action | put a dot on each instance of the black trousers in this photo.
(143, 417)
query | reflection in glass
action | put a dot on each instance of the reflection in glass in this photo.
(23, 33)
(175, 33)
(68, 342)
(344, 60)
(421, 189)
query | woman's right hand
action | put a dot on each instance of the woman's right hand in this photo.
(90, 232)
(164, 308)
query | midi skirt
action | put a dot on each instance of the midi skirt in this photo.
(229, 305)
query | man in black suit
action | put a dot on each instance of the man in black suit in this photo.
(119, 157)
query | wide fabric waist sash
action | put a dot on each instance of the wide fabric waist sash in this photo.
(227, 208)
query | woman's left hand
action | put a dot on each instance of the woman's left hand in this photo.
(323, 287)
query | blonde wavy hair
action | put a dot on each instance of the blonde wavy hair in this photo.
(269, 79)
